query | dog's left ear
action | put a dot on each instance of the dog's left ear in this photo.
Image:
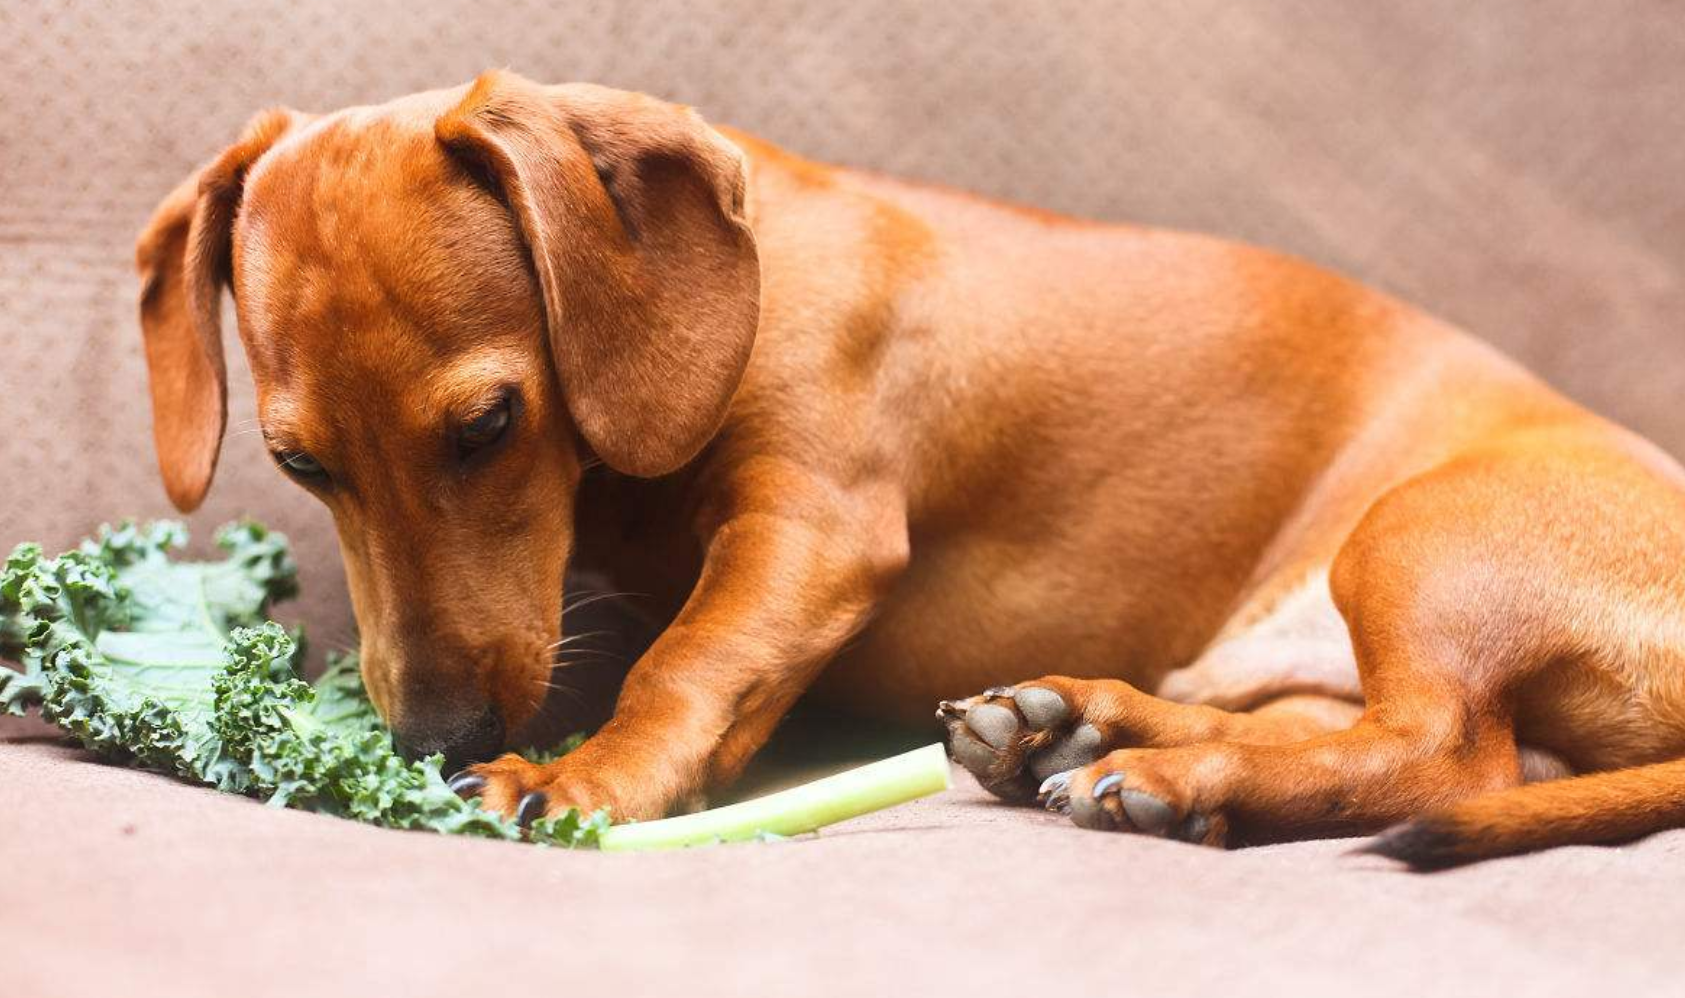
(632, 209)
(183, 259)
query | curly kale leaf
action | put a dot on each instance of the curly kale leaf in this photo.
(173, 666)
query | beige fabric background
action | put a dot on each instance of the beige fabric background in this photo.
(156, 890)
(1516, 166)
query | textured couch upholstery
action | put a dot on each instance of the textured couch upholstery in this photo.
(1514, 165)
(142, 888)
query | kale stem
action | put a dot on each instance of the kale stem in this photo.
(806, 808)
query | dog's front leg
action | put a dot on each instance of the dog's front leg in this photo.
(794, 565)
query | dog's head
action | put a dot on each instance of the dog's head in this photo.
(449, 304)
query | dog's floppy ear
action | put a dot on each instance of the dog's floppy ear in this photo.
(632, 209)
(183, 259)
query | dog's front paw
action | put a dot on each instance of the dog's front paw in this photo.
(526, 791)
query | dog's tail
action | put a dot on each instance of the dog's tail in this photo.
(1615, 806)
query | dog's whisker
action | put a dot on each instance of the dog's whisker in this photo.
(590, 596)
(575, 637)
(580, 659)
(580, 653)
(563, 652)
(574, 663)
(546, 685)
(581, 656)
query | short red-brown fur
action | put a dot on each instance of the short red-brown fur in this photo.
(892, 443)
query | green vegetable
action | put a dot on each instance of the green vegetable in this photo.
(173, 666)
(806, 808)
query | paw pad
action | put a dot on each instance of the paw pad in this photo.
(1014, 738)
(1112, 806)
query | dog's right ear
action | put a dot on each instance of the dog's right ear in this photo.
(183, 259)
(633, 211)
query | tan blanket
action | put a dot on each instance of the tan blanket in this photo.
(1514, 165)
(123, 883)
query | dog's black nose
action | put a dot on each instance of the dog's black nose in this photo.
(462, 743)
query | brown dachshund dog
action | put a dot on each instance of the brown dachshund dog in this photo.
(1304, 560)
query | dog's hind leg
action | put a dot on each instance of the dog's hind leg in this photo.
(1021, 741)
(1285, 675)
(1491, 596)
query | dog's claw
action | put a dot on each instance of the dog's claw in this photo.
(948, 710)
(1054, 793)
(1106, 784)
(1143, 812)
(466, 784)
(532, 808)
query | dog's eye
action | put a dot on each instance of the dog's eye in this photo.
(298, 463)
(485, 429)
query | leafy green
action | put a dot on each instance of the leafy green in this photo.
(173, 666)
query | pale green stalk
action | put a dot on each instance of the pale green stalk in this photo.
(806, 808)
